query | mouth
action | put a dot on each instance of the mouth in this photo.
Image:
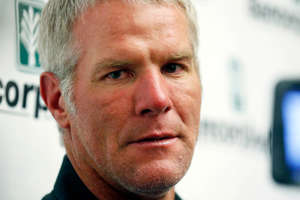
(155, 140)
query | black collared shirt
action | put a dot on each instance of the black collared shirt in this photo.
(68, 185)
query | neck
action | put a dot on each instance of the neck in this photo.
(101, 188)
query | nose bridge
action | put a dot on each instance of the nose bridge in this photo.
(154, 84)
(151, 94)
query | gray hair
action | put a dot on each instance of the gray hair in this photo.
(58, 50)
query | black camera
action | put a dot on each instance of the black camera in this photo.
(285, 133)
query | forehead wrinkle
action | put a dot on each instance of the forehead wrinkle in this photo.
(120, 19)
(121, 23)
(125, 22)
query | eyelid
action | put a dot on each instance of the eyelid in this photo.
(128, 74)
(114, 71)
(182, 65)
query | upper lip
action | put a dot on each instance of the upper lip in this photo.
(154, 136)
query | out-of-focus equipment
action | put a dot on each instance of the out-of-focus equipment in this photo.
(285, 134)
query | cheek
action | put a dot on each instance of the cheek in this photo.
(101, 117)
(102, 106)
(187, 102)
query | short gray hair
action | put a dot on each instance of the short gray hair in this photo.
(58, 50)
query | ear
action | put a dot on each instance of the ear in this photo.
(52, 96)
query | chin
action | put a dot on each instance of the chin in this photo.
(154, 180)
(154, 186)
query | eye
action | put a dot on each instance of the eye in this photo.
(116, 75)
(171, 68)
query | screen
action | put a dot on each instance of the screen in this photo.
(291, 132)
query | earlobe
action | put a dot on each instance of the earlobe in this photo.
(52, 96)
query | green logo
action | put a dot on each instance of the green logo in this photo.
(28, 14)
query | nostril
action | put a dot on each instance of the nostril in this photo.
(145, 111)
(167, 108)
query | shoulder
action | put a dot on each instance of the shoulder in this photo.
(50, 196)
(177, 197)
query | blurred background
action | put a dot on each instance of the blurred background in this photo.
(246, 48)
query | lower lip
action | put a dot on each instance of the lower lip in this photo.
(156, 143)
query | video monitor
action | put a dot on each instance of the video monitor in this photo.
(285, 140)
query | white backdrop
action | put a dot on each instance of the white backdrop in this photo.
(246, 46)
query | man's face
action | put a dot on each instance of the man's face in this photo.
(137, 95)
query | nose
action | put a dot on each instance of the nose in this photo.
(151, 95)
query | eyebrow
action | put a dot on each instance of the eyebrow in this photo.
(110, 63)
(185, 55)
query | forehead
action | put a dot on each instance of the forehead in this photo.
(118, 19)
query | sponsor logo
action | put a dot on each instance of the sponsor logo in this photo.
(236, 85)
(28, 14)
(21, 99)
(275, 14)
(17, 97)
(243, 136)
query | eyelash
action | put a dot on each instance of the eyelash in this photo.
(110, 74)
(164, 68)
